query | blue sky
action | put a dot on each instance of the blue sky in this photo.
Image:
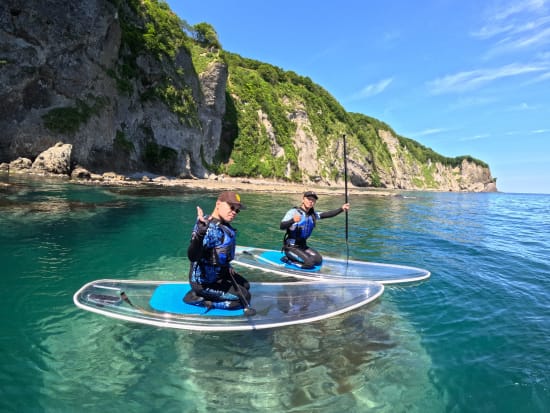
(461, 77)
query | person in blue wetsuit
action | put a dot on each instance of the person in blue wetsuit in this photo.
(214, 282)
(299, 223)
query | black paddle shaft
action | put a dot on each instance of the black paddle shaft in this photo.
(346, 182)
(346, 196)
(248, 311)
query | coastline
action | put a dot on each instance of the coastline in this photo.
(264, 185)
(240, 184)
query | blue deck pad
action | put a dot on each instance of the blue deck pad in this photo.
(276, 257)
(169, 298)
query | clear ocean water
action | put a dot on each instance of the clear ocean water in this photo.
(475, 337)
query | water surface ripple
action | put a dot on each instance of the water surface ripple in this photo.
(473, 338)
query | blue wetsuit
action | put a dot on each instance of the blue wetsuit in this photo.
(295, 242)
(214, 283)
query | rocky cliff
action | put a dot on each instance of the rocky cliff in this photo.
(104, 77)
(61, 74)
(408, 173)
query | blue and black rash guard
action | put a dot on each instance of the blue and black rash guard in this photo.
(214, 283)
(297, 233)
(211, 250)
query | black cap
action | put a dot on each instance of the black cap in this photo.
(310, 194)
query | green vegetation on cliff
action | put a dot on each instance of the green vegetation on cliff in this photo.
(264, 105)
(257, 89)
(67, 120)
(150, 28)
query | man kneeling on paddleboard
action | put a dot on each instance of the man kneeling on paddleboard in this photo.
(214, 282)
(299, 223)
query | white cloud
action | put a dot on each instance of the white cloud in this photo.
(427, 132)
(487, 32)
(531, 40)
(511, 28)
(529, 132)
(541, 78)
(523, 25)
(372, 89)
(476, 137)
(520, 107)
(518, 7)
(470, 80)
(470, 101)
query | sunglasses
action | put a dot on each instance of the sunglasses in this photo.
(234, 208)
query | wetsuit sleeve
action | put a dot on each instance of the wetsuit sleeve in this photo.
(330, 214)
(288, 219)
(194, 251)
(286, 224)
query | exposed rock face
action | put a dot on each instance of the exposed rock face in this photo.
(405, 172)
(306, 143)
(54, 53)
(213, 82)
(80, 173)
(20, 164)
(55, 160)
(408, 173)
(62, 55)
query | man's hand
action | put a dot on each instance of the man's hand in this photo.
(202, 225)
(200, 214)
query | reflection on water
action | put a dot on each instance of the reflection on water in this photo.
(61, 237)
(474, 334)
(342, 363)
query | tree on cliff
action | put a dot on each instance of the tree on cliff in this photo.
(206, 36)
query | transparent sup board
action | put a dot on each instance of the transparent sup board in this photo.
(160, 303)
(332, 269)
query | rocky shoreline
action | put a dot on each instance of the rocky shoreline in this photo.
(55, 163)
(213, 183)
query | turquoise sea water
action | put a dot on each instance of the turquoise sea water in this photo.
(475, 337)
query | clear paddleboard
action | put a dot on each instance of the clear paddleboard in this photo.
(160, 304)
(332, 269)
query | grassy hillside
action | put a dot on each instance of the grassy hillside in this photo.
(258, 137)
(257, 86)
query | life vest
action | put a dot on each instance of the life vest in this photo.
(299, 232)
(224, 250)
